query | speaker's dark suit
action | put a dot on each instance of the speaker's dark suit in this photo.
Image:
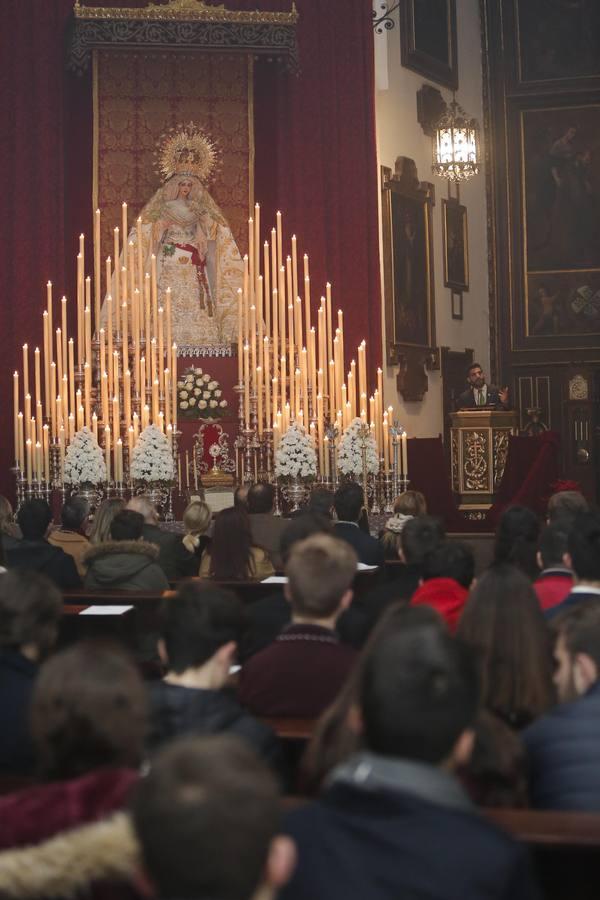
(466, 400)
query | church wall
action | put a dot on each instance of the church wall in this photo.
(400, 134)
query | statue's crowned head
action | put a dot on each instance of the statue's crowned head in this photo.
(186, 151)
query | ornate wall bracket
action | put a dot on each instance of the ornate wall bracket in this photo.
(413, 365)
(183, 24)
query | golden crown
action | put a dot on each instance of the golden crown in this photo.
(187, 150)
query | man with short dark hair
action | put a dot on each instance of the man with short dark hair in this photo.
(125, 563)
(447, 573)
(266, 527)
(302, 671)
(349, 501)
(71, 535)
(555, 581)
(393, 821)
(583, 557)
(35, 554)
(481, 394)
(564, 745)
(167, 542)
(206, 817)
(201, 628)
(30, 610)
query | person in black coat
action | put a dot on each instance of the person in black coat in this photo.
(167, 542)
(479, 393)
(200, 629)
(564, 745)
(349, 502)
(30, 609)
(394, 821)
(35, 553)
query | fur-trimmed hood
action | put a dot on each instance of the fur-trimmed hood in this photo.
(110, 548)
(69, 863)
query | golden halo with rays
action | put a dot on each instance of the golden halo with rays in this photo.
(187, 150)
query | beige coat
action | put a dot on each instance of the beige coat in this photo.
(73, 543)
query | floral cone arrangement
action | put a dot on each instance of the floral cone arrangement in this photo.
(350, 451)
(199, 395)
(84, 462)
(295, 456)
(152, 459)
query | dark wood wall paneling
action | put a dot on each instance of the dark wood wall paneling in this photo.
(542, 144)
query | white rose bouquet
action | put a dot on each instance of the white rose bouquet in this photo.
(84, 461)
(199, 396)
(350, 451)
(295, 456)
(151, 459)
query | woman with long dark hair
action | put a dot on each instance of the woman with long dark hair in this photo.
(232, 555)
(502, 621)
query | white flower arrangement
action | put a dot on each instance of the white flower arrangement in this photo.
(350, 451)
(151, 458)
(295, 456)
(84, 462)
(199, 395)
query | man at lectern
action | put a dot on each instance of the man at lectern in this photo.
(481, 394)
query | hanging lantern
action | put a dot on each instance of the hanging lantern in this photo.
(456, 145)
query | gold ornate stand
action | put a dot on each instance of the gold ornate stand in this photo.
(479, 445)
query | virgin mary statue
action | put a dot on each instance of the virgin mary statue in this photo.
(196, 253)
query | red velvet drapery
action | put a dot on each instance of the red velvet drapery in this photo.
(315, 160)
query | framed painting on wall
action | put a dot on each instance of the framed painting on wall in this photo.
(455, 244)
(428, 39)
(408, 266)
(561, 177)
(558, 39)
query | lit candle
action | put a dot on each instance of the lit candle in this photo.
(87, 327)
(386, 443)
(404, 455)
(259, 398)
(127, 396)
(20, 443)
(71, 353)
(173, 368)
(25, 369)
(116, 289)
(125, 231)
(79, 409)
(46, 363)
(95, 426)
(107, 450)
(161, 346)
(247, 385)
(16, 414)
(119, 461)
(240, 340)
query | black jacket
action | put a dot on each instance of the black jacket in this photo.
(40, 556)
(186, 564)
(368, 549)
(168, 545)
(563, 749)
(355, 623)
(178, 710)
(356, 844)
(17, 678)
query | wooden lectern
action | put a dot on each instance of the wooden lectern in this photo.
(478, 449)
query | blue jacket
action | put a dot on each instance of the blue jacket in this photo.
(563, 749)
(357, 844)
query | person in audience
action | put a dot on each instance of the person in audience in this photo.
(265, 527)
(393, 820)
(108, 509)
(34, 553)
(240, 497)
(232, 555)
(301, 672)
(88, 718)
(126, 562)
(166, 541)
(349, 504)
(563, 746)
(71, 536)
(30, 610)
(320, 502)
(9, 531)
(503, 623)
(269, 615)
(583, 557)
(200, 631)
(206, 818)
(496, 774)
(447, 573)
(418, 538)
(517, 537)
(566, 505)
(189, 550)
(555, 580)
(407, 506)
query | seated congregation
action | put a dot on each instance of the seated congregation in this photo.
(428, 693)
